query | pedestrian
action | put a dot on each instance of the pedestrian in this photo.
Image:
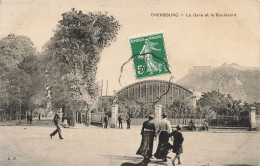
(128, 121)
(30, 118)
(120, 121)
(206, 125)
(57, 123)
(192, 125)
(177, 144)
(105, 121)
(148, 133)
(163, 145)
(39, 116)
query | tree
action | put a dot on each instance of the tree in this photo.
(13, 50)
(74, 52)
(104, 104)
(35, 91)
(180, 107)
(221, 104)
(20, 76)
(257, 105)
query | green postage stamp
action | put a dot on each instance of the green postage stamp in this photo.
(149, 55)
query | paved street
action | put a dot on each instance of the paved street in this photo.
(93, 146)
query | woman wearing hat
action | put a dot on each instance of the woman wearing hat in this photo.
(148, 135)
(177, 144)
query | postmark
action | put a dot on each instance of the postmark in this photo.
(149, 55)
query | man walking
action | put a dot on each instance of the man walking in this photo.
(177, 144)
(58, 123)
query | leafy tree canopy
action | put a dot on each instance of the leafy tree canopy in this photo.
(74, 52)
(21, 75)
(13, 50)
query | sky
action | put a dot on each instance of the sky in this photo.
(189, 41)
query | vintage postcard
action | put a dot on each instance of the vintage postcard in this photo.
(127, 83)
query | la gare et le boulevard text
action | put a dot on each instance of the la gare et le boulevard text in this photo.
(193, 14)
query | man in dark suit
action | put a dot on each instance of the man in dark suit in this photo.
(105, 121)
(120, 121)
(58, 123)
(128, 121)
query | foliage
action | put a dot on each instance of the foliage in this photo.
(21, 76)
(72, 55)
(104, 104)
(257, 105)
(221, 104)
(13, 50)
(180, 107)
(66, 68)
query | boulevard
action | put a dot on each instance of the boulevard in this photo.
(95, 146)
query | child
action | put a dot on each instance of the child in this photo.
(177, 144)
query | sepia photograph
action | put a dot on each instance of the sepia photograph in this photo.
(129, 83)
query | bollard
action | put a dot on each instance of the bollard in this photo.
(114, 116)
(157, 115)
(252, 118)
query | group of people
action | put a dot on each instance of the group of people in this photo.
(120, 121)
(149, 133)
(128, 122)
(192, 126)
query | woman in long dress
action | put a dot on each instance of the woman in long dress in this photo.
(148, 134)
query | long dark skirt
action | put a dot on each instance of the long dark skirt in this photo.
(146, 147)
(163, 146)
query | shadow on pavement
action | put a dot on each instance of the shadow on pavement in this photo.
(238, 165)
(143, 164)
(116, 157)
(133, 160)
(132, 164)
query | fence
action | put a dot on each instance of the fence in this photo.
(185, 121)
(97, 117)
(225, 121)
(230, 121)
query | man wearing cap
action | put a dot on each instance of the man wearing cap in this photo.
(177, 144)
(163, 145)
(58, 123)
(148, 134)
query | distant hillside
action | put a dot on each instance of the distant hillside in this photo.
(240, 82)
